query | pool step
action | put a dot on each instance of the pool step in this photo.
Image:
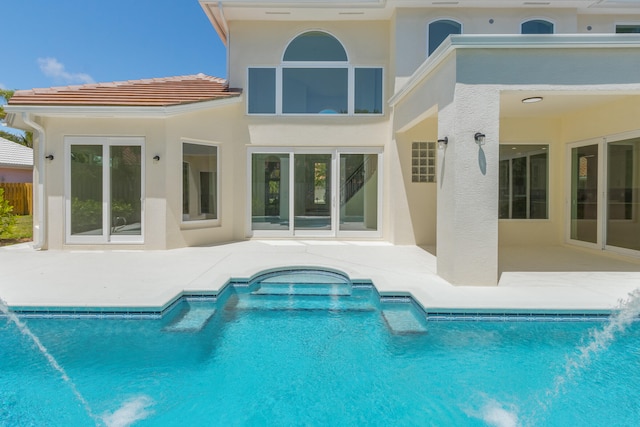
(404, 320)
(284, 288)
(302, 302)
(193, 320)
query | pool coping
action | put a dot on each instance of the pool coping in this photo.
(400, 297)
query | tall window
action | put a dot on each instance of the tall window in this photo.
(315, 77)
(439, 30)
(199, 182)
(523, 182)
(537, 26)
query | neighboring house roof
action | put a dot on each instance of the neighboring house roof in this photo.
(15, 155)
(160, 92)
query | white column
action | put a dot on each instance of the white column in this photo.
(467, 212)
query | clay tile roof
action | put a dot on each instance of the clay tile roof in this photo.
(159, 92)
(16, 155)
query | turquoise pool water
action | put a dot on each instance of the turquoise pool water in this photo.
(302, 350)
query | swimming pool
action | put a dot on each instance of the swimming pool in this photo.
(311, 348)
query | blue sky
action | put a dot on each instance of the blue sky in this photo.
(56, 43)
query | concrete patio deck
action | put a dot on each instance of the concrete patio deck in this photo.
(548, 279)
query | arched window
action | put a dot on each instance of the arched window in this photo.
(537, 26)
(315, 77)
(439, 30)
(315, 46)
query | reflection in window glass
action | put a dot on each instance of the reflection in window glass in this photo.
(358, 192)
(368, 91)
(315, 46)
(623, 191)
(523, 182)
(627, 28)
(314, 90)
(440, 30)
(270, 191)
(262, 90)
(537, 26)
(126, 189)
(200, 182)
(86, 190)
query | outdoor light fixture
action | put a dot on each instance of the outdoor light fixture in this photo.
(442, 143)
(532, 100)
(156, 158)
(49, 157)
(479, 137)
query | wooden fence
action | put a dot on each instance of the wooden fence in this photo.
(20, 196)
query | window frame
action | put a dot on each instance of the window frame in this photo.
(105, 142)
(351, 82)
(207, 222)
(538, 18)
(528, 181)
(439, 19)
(625, 23)
(335, 231)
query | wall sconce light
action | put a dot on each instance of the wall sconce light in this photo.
(49, 157)
(479, 137)
(156, 158)
(442, 143)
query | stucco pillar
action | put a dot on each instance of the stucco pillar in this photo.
(467, 211)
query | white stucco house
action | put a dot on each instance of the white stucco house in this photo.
(467, 126)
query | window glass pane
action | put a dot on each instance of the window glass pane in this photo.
(523, 182)
(440, 30)
(584, 193)
(537, 26)
(270, 191)
(504, 192)
(86, 190)
(368, 91)
(627, 28)
(623, 190)
(538, 173)
(262, 90)
(126, 187)
(315, 46)
(314, 90)
(312, 192)
(359, 192)
(200, 182)
(519, 188)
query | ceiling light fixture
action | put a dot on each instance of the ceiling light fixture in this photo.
(532, 100)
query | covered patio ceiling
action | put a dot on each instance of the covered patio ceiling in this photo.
(553, 103)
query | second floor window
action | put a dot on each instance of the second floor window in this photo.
(315, 77)
(537, 26)
(439, 30)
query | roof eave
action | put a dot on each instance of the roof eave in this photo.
(118, 111)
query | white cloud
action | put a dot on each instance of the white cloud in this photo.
(52, 68)
(2, 87)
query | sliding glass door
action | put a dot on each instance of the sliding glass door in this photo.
(306, 193)
(584, 224)
(104, 190)
(605, 194)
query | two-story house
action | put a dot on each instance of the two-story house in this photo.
(463, 125)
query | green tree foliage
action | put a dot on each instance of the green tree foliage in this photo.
(27, 138)
(7, 219)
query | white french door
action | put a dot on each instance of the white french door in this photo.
(306, 192)
(104, 189)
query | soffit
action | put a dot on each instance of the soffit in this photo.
(554, 104)
(335, 10)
